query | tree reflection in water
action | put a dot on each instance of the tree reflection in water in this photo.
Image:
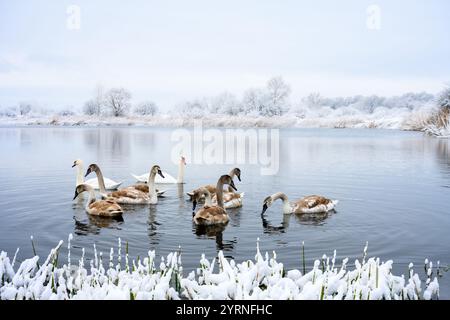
(443, 157)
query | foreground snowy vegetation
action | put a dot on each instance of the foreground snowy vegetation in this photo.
(267, 106)
(261, 278)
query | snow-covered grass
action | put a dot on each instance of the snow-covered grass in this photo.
(384, 118)
(219, 278)
(439, 127)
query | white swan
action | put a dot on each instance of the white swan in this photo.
(129, 195)
(109, 184)
(309, 204)
(167, 177)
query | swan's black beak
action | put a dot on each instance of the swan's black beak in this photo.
(76, 195)
(194, 205)
(160, 173)
(88, 172)
(264, 209)
(239, 177)
(73, 165)
(232, 185)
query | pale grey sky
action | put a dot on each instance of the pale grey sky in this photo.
(169, 51)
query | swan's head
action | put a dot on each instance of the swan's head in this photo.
(92, 168)
(77, 162)
(80, 189)
(226, 179)
(183, 160)
(157, 170)
(197, 195)
(237, 173)
(266, 204)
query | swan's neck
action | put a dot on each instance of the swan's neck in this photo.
(231, 174)
(287, 207)
(208, 201)
(180, 178)
(151, 185)
(91, 198)
(80, 178)
(101, 181)
(219, 193)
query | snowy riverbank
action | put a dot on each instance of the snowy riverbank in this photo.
(402, 119)
(261, 278)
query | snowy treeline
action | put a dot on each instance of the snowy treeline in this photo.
(220, 279)
(116, 102)
(272, 100)
(270, 105)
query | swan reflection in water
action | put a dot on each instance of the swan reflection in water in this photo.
(93, 224)
(216, 232)
(311, 219)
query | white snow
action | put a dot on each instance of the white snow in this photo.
(407, 112)
(262, 278)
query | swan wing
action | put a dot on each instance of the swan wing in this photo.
(160, 192)
(141, 178)
(314, 204)
(105, 208)
(211, 215)
(109, 183)
(167, 178)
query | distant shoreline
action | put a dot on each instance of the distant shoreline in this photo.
(219, 121)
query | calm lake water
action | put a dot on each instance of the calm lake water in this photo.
(393, 189)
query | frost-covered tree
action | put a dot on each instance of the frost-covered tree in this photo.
(96, 105)
(24, 108)
(253, 101)
(8, 111)
(196, 108)
(147, 108)
(90, 108)
(369, 104)
(443, 99)
(67, 112)
(313, 100)
(277, 97)
(226, 103)
(118, 101)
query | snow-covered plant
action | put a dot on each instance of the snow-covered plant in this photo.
(147, 108)
(118, 101)
(261, 278)
(439, 123)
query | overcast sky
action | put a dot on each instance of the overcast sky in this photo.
(169, 51)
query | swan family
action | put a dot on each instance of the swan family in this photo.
(216, 198)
